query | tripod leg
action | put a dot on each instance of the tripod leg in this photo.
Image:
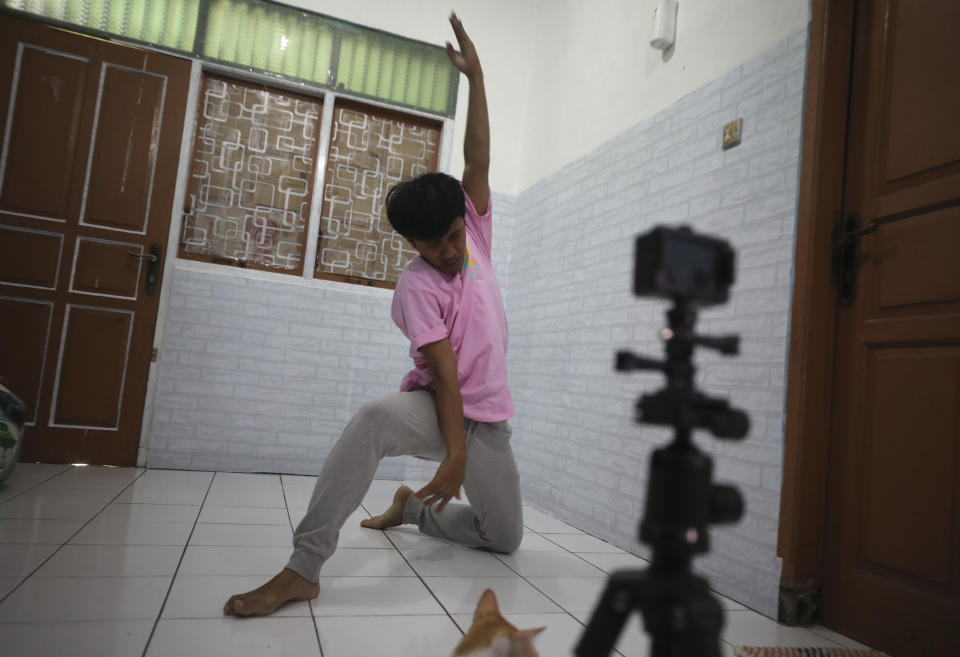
(621, 596)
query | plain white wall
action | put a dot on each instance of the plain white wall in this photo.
(595, 74)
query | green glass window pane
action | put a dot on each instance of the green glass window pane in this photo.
(261, 39)
(216, 42)
(273, 46)
(75, 11)
(399, 62)
(321, 62)
(414, 77)
(230, 45)
(96, 15)
(359, 69)
(426, 84)
(153, 27)
(372, 72)
(387, 71)
(345, 62)
(245, 36)
(308, 53)
(56, 9)
(188, 37)
(187, 27)
(441, 88)
(116, 17)
(137, 18)
(174, 25)
(290, 43)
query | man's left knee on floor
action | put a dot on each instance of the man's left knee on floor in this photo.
(506, 539)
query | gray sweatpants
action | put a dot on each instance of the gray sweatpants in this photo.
(405, 424)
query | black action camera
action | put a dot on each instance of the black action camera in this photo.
(680, 614)
(678, 264)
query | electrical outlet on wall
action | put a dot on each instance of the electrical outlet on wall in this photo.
(731, 134)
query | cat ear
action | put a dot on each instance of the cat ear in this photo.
(521, 643)
(487, 606)
(529, 634)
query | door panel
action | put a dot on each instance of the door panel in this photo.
(30, 258)
(124, 150)
(912, 103)
(920, 76)
(105, 268)
(90, 384)
(920, 263)
(892, 556)
(30, 333)
(37, 161)
(88, 168)
(908, 485)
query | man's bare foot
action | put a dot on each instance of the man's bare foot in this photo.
(284, 587)
(393, 516)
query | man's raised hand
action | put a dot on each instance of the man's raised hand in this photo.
(466, 60)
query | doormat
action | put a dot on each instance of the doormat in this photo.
(760, 651)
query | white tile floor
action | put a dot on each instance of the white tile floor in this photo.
(124, 561)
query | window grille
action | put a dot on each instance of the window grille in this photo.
(275, 38)
(251, 179)
(370, 151)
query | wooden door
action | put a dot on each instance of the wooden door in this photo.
(892, 554)
(91, 141)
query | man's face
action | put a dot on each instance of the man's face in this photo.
(448, 252)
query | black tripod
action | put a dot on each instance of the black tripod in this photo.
(679, 612)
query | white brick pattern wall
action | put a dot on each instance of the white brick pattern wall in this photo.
(262, 375)
(570, 308)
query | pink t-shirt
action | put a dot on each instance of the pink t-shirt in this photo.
(466, 308)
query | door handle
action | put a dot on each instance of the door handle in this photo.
(148, 256)
(153, 258)
(846, 255)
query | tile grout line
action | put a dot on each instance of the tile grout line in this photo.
(418, 575)
(38, 484)
(173, 579)
(286, 507)
(647, 561)
(544, 593)
(726, 612)
(69, 538)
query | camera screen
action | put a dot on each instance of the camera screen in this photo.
(692, 266)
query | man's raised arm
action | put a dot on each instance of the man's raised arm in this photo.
(476, 141)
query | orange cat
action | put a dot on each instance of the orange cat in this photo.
(492, 636)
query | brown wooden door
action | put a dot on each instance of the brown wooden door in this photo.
(892, 555)
(91, 141)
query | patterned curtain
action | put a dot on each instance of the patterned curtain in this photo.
(252, 176)
(370, 151)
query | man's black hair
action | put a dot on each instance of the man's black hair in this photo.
(424, 207)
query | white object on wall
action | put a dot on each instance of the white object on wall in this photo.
(664, 25)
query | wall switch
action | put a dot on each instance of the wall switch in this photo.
(731, 134)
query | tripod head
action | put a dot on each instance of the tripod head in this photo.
(679, 612)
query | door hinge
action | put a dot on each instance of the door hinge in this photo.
(153, 355)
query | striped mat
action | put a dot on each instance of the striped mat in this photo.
(760, 651)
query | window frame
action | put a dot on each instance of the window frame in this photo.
(225, 260)
(329, 100)
(380, 112)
